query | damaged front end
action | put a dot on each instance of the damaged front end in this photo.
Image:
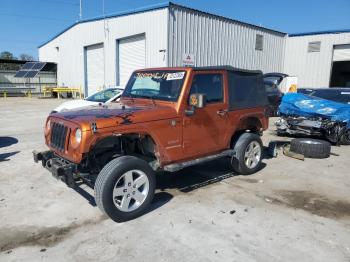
(334, 131)
(304, 115)
(60, 168)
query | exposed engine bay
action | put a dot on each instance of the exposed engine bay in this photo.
(334, 131)
(305, 115)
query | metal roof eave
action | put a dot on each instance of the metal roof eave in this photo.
(321, 32)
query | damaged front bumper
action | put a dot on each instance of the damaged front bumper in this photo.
(311, 126)
(59, 167)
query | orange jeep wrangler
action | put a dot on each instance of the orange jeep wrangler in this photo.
(167, 119)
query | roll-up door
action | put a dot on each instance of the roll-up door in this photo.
(94, 68)
(132, 56)
(341, 53)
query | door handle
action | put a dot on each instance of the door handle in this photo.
(222, 112)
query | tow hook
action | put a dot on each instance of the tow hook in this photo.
(93, 127)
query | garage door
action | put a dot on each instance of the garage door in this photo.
(132, 56)
(94, 69)
(341, 53)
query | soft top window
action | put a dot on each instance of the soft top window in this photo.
(246, 90)
(210, 84)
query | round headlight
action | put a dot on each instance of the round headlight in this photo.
(48, 125)
(78, 135)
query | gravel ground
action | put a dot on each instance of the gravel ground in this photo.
(291, 210)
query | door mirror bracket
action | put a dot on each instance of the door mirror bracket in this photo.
(190, 112)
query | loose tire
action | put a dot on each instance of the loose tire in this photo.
(248, 154)
(311, 148)
(125, 188)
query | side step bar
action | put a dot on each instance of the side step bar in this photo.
(179, 166)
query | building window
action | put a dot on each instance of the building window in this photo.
(314, 47)
(259, 42)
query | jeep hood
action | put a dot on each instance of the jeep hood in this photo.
(115, 114)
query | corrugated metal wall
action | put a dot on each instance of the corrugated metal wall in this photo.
(67, 50)
(218, 41)
(312, 69)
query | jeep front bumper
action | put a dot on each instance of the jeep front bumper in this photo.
(59, 167)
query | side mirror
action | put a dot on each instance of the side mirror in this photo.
(196, 101)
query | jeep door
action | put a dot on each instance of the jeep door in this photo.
(205, 130)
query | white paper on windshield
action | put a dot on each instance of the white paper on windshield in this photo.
(175, 76)
(345, 93)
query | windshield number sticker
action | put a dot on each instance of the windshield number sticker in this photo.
(175, 76)
(166, 76)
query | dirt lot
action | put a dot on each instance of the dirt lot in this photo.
(290, 210)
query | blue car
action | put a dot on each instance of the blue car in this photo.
(308, 115)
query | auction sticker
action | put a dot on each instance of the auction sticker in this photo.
(175, 76)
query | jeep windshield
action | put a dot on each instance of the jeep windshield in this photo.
(159, 85)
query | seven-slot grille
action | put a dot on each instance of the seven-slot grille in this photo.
(58, 136)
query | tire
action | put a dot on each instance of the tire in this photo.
(117, 188)
(345, 138)
(239, 161)
(311, 148)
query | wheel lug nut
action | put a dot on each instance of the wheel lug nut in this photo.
(128, 195)
(129, 184)
(133, 192)
(124, 190)
(134, 186)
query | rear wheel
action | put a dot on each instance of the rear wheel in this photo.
(248, 153)
(125, 188)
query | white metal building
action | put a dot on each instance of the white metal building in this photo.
(319, 59)
(103, 52)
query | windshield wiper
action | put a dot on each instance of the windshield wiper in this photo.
(132, 98)
(154, 102)
(148, 97)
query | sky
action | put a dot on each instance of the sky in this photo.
(25, 24)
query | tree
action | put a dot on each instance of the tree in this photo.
(7, 55)
(26, 57)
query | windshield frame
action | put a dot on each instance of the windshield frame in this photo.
(132, 79)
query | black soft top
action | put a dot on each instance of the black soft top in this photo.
(227, 68)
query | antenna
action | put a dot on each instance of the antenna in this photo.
(80, 10)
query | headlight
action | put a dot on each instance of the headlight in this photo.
(48, 125)
(78, 135)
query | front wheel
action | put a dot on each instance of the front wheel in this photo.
(125, 188)
(248, 154)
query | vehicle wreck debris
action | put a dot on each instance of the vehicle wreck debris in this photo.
(305, 115)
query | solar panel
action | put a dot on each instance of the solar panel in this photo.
(31, 74)
(28, 65)
(21, 73)
(38, 66)
(30, 69)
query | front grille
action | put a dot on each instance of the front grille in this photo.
(58, 136)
